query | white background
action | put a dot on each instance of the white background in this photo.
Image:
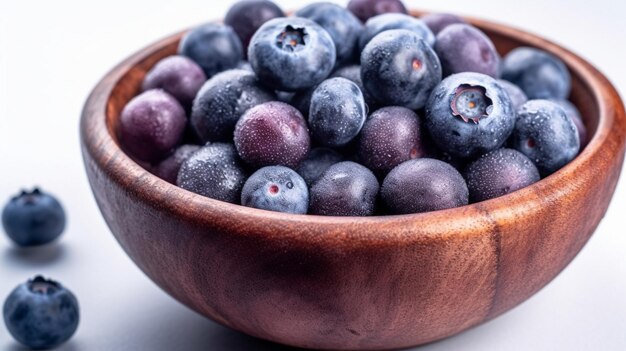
(53, 52)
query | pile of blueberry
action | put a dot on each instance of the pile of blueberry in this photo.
(351, 112)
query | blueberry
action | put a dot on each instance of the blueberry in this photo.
(545, 134)
(151, 125)
(381, 23)
(177, 75)
(214, 171)
(33, 218)
(276, 188)
(41, 314)
(469, 114)
(344, 28)
(464, 48)
(247, 16)
(438, 21)
(223, 100)
(353, 74)
(517, 95)
(272, 134)
(540, 74)
(291, 54)
(423, 185)
(337, 112)
(168, 168)
(390, 136)
(498, 173)
(572, 112)
(318, 161)
(344, 189)
(398, 68)
(302, 100)
(365, 9)
(213, 46)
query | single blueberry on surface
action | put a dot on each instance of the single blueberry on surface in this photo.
(390, 21)
(365, 9)
(151, 125)
(517, 95)
(344, 189)
(398, 68)
(247, 16)
(464, 48)
(291, 54)
(546, 135)
(214, 171)
(272, 134)
(276, 188)
(498, 173)
(572, 112)
(540, 74)
(423, 185)
(33, 218)
(223, 100)
(318, 161)
(41, 314)
(177, 75)
(469, 114)
(439, 21)
(337, 112)
(214, 47)
(169, 167)
(344, 28)
(389, 137)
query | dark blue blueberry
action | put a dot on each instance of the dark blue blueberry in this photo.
(398, 68)
(317, 162)
(540, 74)
(344, 189)
(344, 28)
(438, 21)
(517, 95)
(464, 48)
(302, 100)
(469, 114)
(247, 16)
(177, 75)
(214, 171)
(381, 23)
(168, 168)
(498, 173)
(365, 9)
(272, 134)
(423, 185)
(223, 100)
(292, 54)
(389, 137)
(545, 134)
(572, 112)
(213, 46)
(353, 74)
(41, 314)
(276, 188)
(337, 112)
(33, 218)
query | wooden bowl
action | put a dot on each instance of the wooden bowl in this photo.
(354, 283)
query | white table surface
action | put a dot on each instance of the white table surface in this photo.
(53, 52)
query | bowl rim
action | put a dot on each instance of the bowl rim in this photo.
(106, 153)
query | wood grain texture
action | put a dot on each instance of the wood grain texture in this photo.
(354, 283)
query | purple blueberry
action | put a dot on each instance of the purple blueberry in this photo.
(151, 125)
(379, 24)
(214, 171)
(423, 185)
(365, 9)
(438, 21)
(390, 136)
(276, 188)
(317, 162)
(572, 112)
(223, 100)
(168, 168)
(177, 75)
(337, 112)
(292, 54)
(214, 47)
(540, 74)
(398, 68)
(272, 134)
(344, 189)
(247, 16)
(469, 114)
(464, 48)
(546, 135)
(498, 173)
(517, 95)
